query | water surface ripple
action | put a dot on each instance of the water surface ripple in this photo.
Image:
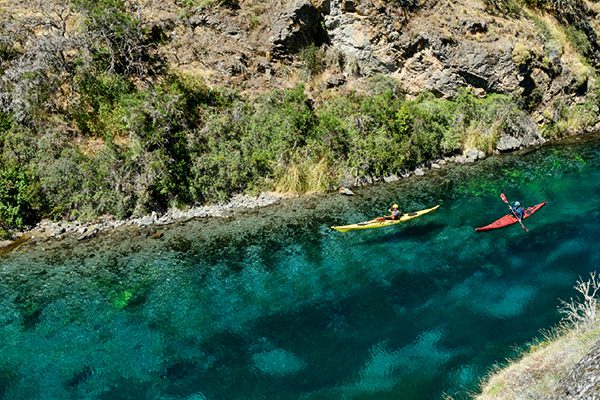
(275, 305)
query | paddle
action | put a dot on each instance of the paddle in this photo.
(504, 199)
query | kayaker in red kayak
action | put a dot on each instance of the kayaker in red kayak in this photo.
(517, 209)
(517, 214)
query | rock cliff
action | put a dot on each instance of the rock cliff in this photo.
(438, 46)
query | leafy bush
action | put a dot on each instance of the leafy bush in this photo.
(19, 197)
(579, 40)
(503, 7)
(119, 40)
(313, 59)
(521, 54)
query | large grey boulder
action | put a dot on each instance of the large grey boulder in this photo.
(352, 34)
(508, 143)
(297, 26)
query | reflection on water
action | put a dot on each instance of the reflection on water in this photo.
(275, 305)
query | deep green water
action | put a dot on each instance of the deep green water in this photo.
(275, 305)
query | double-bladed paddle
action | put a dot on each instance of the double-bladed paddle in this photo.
(504, 199)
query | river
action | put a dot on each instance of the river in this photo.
(273, 304)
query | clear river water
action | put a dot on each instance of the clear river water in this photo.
(273, 304)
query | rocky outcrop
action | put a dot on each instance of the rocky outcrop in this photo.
(583, 383)
(444, 65)
(299, 25)
(519, 133)
(349, 33)
(434, 46)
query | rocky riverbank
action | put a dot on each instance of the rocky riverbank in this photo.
(87, 230)
(82, 231)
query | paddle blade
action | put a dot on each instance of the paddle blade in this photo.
(503, 197)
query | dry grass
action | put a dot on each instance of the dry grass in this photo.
(482, 138)
(537, 374)
(305, 176)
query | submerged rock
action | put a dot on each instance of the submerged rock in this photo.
(278, 362)
(345, 191)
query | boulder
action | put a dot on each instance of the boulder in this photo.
(508, 143)
(473, 27)
(472, 154)
(345, 191)
(88, 235)
(299, 25)
(335, 81)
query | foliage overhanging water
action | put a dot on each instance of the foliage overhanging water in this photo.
(275, 305)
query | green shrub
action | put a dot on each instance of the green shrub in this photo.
(521, 54)
(19, 196)
(503, 7)
(579, 40)
(336, 126)
(98, 95)
(6, 121)
(313, 58)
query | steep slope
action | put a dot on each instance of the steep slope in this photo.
(123, 107)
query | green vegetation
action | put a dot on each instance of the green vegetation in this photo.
(122, 299)
(313, 58)
(574, 16)
(95, 123)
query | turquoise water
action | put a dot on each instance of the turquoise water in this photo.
(275, 305)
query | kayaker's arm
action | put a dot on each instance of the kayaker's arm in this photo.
(504, 199)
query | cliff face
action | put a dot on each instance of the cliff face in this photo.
(438, 46)
(582, 381)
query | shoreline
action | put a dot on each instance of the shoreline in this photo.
(82, 231)
(47, 229)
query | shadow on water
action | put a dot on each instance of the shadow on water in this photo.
(421, 232)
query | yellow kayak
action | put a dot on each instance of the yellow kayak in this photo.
(381, 223)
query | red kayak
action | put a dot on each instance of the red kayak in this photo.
(510, 219)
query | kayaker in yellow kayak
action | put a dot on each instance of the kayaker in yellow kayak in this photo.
(395, 212)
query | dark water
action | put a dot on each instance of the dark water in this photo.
(275, 305)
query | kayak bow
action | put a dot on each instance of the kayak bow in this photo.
(510, 219)
(382, 223)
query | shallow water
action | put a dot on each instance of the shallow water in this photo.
(275, 305)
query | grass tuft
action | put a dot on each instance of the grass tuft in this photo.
(305, 176)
